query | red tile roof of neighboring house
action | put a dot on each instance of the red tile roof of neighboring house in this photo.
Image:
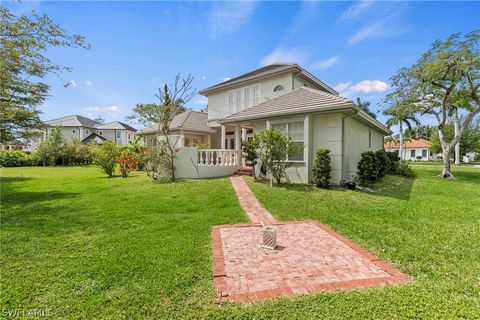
(420, 143)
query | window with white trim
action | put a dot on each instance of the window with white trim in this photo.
(278, 88)
(242, 98)
(412, 153)
(424, 153)
(295, 131)
(119, 135)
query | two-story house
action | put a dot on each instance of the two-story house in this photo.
(287, 98)
(86, 130)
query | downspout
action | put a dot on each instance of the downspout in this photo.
(344, 160)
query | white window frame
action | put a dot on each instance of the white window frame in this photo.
(118, 135)
(244, 97)
(288, 121)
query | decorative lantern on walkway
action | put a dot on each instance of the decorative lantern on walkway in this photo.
(269, 237)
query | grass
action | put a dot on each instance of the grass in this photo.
(85, 246)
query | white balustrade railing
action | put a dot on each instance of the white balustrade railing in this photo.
(218, 157)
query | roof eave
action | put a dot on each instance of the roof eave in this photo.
(339, 107)
(221, 86)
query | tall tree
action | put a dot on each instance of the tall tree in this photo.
(23, 44)
(172, 99)
(403, 116)
(445, 80)
(365, 106)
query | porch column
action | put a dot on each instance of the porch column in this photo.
(238, 145)
(244, 138)
(223, 137)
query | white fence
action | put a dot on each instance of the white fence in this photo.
(217, 157)
(191, 162)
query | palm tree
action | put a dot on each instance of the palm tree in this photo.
(365, 106)
(403, 116)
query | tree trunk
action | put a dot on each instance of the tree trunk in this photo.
(446, 165)
(457, 146)
(402, 157)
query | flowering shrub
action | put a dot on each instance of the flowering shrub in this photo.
(128, 162)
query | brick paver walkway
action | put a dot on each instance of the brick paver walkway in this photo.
(255, 212)
(309, 258)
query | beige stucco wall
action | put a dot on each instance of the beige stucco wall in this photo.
(357, 141)
(218, 102)
(327, 133)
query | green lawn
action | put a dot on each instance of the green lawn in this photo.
(85, 246)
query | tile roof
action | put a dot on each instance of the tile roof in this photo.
(115, 125)
(300, 100)
(189, 120)
(420, 143)
(72, 121)
(93, 137)
(267, 71)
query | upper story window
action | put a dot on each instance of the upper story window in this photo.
(101, 132)
(87, 132)
(73, 130)
(243, 98)
(119, 135)
(295, 131)
(278, 88)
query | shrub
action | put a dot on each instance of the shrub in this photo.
(394, 161)
(128, 162)
(157, 162)
(14, 158)
(383, 161)
(250, 150)
(322, 168)
(106, 157)
(404, 170)
(274, 147)
(368, 167)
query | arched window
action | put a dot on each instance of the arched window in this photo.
(278, 88)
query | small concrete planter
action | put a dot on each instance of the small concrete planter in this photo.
(269, 237)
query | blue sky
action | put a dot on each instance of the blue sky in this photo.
(355, 47)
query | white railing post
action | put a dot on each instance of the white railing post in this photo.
(218, 157)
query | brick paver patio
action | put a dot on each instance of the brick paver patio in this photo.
(309, 258)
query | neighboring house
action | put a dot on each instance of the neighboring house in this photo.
(416, 150)
(187, 129)
(285, 97)
(86, 130)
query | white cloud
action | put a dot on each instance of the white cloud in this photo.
(355, 11)
(324, 64)
(88, 83)
(365, 86)
(372, 31)
(227, 17)
(342, 86)
(111, 111)
(280, 55)
(71, 83)
(386, 21)
(204, 78)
